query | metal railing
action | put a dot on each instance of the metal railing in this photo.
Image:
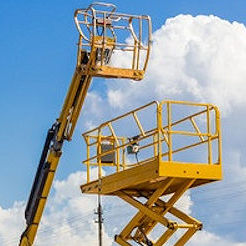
(123, 32)
(155, 136)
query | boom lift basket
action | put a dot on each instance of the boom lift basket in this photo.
(121, 42)
(170, 147)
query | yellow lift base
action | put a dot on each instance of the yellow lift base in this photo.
(148, 164)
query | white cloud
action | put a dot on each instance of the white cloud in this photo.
(68, 219)
(196, 58)
(204, 238)
(236, 170)
(11, 223)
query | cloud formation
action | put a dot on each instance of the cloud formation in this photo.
(193, 58)
(204, 238)
(68, 220)
(11, 224)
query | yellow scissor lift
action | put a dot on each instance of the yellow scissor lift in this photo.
(158, 150)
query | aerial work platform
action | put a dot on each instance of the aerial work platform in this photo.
(159, 149)
(104, 35)
(107, 34)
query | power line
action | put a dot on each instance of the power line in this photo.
(68, 230)
(210, 199)
(225, 186)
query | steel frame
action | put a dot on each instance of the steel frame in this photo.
(155, 177)
(160, 134)
(153, 212)
(112, 25)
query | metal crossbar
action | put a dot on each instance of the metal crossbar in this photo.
(153, 212)
(108, 30)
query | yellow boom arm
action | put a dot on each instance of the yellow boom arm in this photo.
(61, 130)
(99, 41)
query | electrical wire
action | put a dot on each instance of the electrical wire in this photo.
(210, 199)
(68, 230)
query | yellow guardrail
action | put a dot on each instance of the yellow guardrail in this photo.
(106, 30)
(156, 127)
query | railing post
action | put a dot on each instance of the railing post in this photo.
(159, 127)
(134, 55)
(123, 155)
(79, 50)
(117, 144)
(139, 43)
(104, 38)
(99, 151)
(209, 136)
(218, 132)
(169, 122)
(155, 138)
(88, 156)
(118, 160)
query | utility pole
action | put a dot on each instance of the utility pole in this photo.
(99, 214)
(100, 219)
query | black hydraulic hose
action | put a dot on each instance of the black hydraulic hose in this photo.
(29, 207)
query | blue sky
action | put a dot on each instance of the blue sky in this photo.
(38, 54)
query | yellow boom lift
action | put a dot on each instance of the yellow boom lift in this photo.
(104, 34)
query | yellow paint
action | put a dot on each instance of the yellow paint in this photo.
(94, 53)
